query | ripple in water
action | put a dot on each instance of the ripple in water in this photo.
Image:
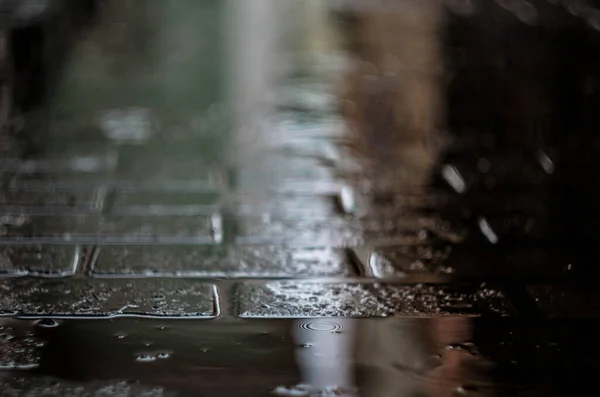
(48, 323)
(321, 326)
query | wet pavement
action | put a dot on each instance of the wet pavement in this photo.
(317, 198)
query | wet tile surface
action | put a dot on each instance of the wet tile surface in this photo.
(297, 299)
(30, 297)
(38, 259)
(340, 199)
(219, 261)
(96, 228)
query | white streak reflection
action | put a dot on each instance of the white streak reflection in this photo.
(454, 179)
(325, 355)
(487, 231)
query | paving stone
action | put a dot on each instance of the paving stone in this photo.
(46, 201)
(313, 299)
(567, 301)
(38, 259)
(117, 229)
(281, 205)
(94, 163)
(76, 297)
(341, 231)
(160, 164)
(163, 203)
(105, 183)
(459, 261)
(222, 261)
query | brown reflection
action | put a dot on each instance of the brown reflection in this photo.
(392, 94)
(406, 357)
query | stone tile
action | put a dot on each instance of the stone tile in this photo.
(107, 182)
(80, 164)
(337, 230)
(164, 197)
(164, 203)
(464, 261)
(400, 260)
(167, 162)
(281, 205)
(313, 299)
(117, 229)
(267, 230)
(38, 259)
(48, 201)
(83, 298)
(222, 261)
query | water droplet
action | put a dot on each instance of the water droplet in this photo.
(346, 200)
(454, 179)
(467, 347)
(295, 391)
(124, 337)
(487, 231)
(163, 355)
(466, 389)
(546, 162)
(145, 358)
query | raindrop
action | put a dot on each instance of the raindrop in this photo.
(454, 179)
(466, 389)
(546, 162)
(124, 337)
(467, 347)
(145, 358)
(295, 391)
(346, 200)
(487, 231)
(163, 355)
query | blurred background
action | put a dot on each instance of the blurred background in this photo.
(441, 155)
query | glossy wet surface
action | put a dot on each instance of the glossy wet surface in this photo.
(304, 357)
(316, 198)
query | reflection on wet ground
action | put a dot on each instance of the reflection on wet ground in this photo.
(309, 357)
(341, 198)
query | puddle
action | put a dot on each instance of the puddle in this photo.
(286, 357)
